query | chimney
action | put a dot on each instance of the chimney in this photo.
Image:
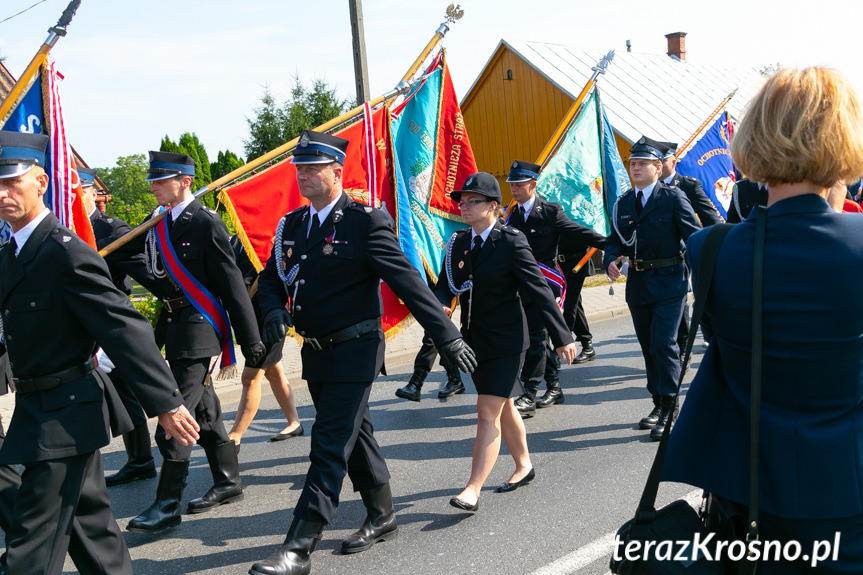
(677, 45)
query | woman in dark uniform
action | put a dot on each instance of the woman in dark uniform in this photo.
(487, 265)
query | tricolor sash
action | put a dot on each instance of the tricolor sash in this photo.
(555, 278)
(200, 297)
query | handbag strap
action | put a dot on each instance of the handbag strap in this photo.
(706, 265)
(755, 374)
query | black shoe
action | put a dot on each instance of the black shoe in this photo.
(587, 354)
(459, 504)
(506, 487)
(453, 386)
(667, 416)
(652, 417)
(553, 395)
(165, 511)
(526, 406)
(283, 436)
(226, 479)
(412, 390)
(140, 464)
(294, 556)
(380, 524)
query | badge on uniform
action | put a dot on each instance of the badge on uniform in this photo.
(289, 253)
(328, 249)
(461, 264)
(337, 216)
(67, 239)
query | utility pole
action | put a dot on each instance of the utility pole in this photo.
(361, 71)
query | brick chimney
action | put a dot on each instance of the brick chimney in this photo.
(677, 45)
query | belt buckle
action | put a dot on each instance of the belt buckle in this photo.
(13, 383)
(638, 266)
(561, 258)
(167, 304)
(313, 341)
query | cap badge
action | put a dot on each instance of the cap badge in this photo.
(304, 140)
(469, 181)
(515, 164)
(642, 141)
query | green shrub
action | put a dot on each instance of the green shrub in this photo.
(149, 307)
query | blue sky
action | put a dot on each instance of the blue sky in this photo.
(136, 71)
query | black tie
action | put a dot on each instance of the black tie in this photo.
(477, 246)
(521, 213)
(13, 245)
(639, 201)
(316, 225)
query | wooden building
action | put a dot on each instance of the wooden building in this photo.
(525, 88)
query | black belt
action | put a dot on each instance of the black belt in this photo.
(351, 332)
(571, 257)
(173, 305)
(643, 265)
(52, 380)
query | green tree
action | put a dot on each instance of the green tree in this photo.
(226, 162)
(131, 197)
(266, 129)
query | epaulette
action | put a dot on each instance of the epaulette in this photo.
(358, 207)
(298, 210)
(62, 235)
(510, 230)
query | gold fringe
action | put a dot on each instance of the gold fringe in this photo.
(399, 328)
(229, 372)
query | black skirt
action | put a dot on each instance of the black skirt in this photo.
(273, 356)
(500, 376)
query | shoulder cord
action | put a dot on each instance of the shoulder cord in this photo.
(291, 277)
(735, 197)
(150, 251)
(631, 241)
(466, 286)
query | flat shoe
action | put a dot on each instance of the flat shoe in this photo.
(459, 504)
(506, 487)
(282, 436)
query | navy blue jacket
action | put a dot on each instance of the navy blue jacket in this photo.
(811, 448)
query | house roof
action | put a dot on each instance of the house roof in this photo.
(651, 94)
(7, 80)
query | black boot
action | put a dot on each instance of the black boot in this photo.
(140, 464)
(415, 384)
(587, 353)
(380, 523)
(652, 417)
(165, 511)
(667, 415)
(294, 556)
(526, 404)
(553, 394)
(226, 479)
(453, 386)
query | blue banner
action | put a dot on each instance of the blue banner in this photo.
(614, 176)
(709, 160)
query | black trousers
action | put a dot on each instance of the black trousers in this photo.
(201, 400)
(426, 355)
(573, 310)
(656, 327)
(62, 505)
(10, 482)
(342, 442)
(127, 396)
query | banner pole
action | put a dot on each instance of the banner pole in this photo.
(681, 151)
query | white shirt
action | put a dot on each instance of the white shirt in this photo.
(527, 206)
(178, 209)
(483, 235)
(322, 214)
(669, 178)
(22, 235)
(646, 193)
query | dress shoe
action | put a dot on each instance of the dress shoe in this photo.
(667, 415)
(459, 504)
(453, 386)
(506, 487)
(140, 464)
(652, 417)
(526, 406)
(283, 436)
(226, 479)
(380, 524)
(587, 354)
(294, 556)
(553, 395)
(412, 390)
(165, 511)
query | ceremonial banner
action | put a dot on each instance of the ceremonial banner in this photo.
(433, 157)
(615, 178)
(709, 160)
(40, 112)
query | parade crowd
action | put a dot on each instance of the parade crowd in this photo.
(100, 372)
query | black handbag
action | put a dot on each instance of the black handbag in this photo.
(671, 540)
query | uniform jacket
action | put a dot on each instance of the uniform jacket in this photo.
(572, 251)
(58, 304)
(493, 321)
(338, 285)
(746, 195)
(107, 229)
(546, 224)
(811, 428)
(704, 208)
(663, 226)
(200, 238)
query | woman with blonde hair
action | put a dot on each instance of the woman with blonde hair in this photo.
(800, 135)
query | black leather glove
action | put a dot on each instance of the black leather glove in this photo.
(276, 324)
(456, 354)
(254, 353)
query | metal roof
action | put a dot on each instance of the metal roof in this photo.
(651, 94)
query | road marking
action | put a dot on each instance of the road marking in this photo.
(597, 549)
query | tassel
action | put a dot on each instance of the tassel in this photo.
(228, 372)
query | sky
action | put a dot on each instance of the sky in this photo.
(138, 71)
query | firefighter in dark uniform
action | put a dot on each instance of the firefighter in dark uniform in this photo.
(745, 196)
(10, 479)
(198, 245)
(572, 252)
(543, 223)
(326, 265)
(58, 304)
(704, 209)
(651, 223)
(106, 229)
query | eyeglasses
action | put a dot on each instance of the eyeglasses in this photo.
(472, 202)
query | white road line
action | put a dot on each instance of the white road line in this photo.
(597, 549)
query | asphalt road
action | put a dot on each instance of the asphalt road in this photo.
(590, 457)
